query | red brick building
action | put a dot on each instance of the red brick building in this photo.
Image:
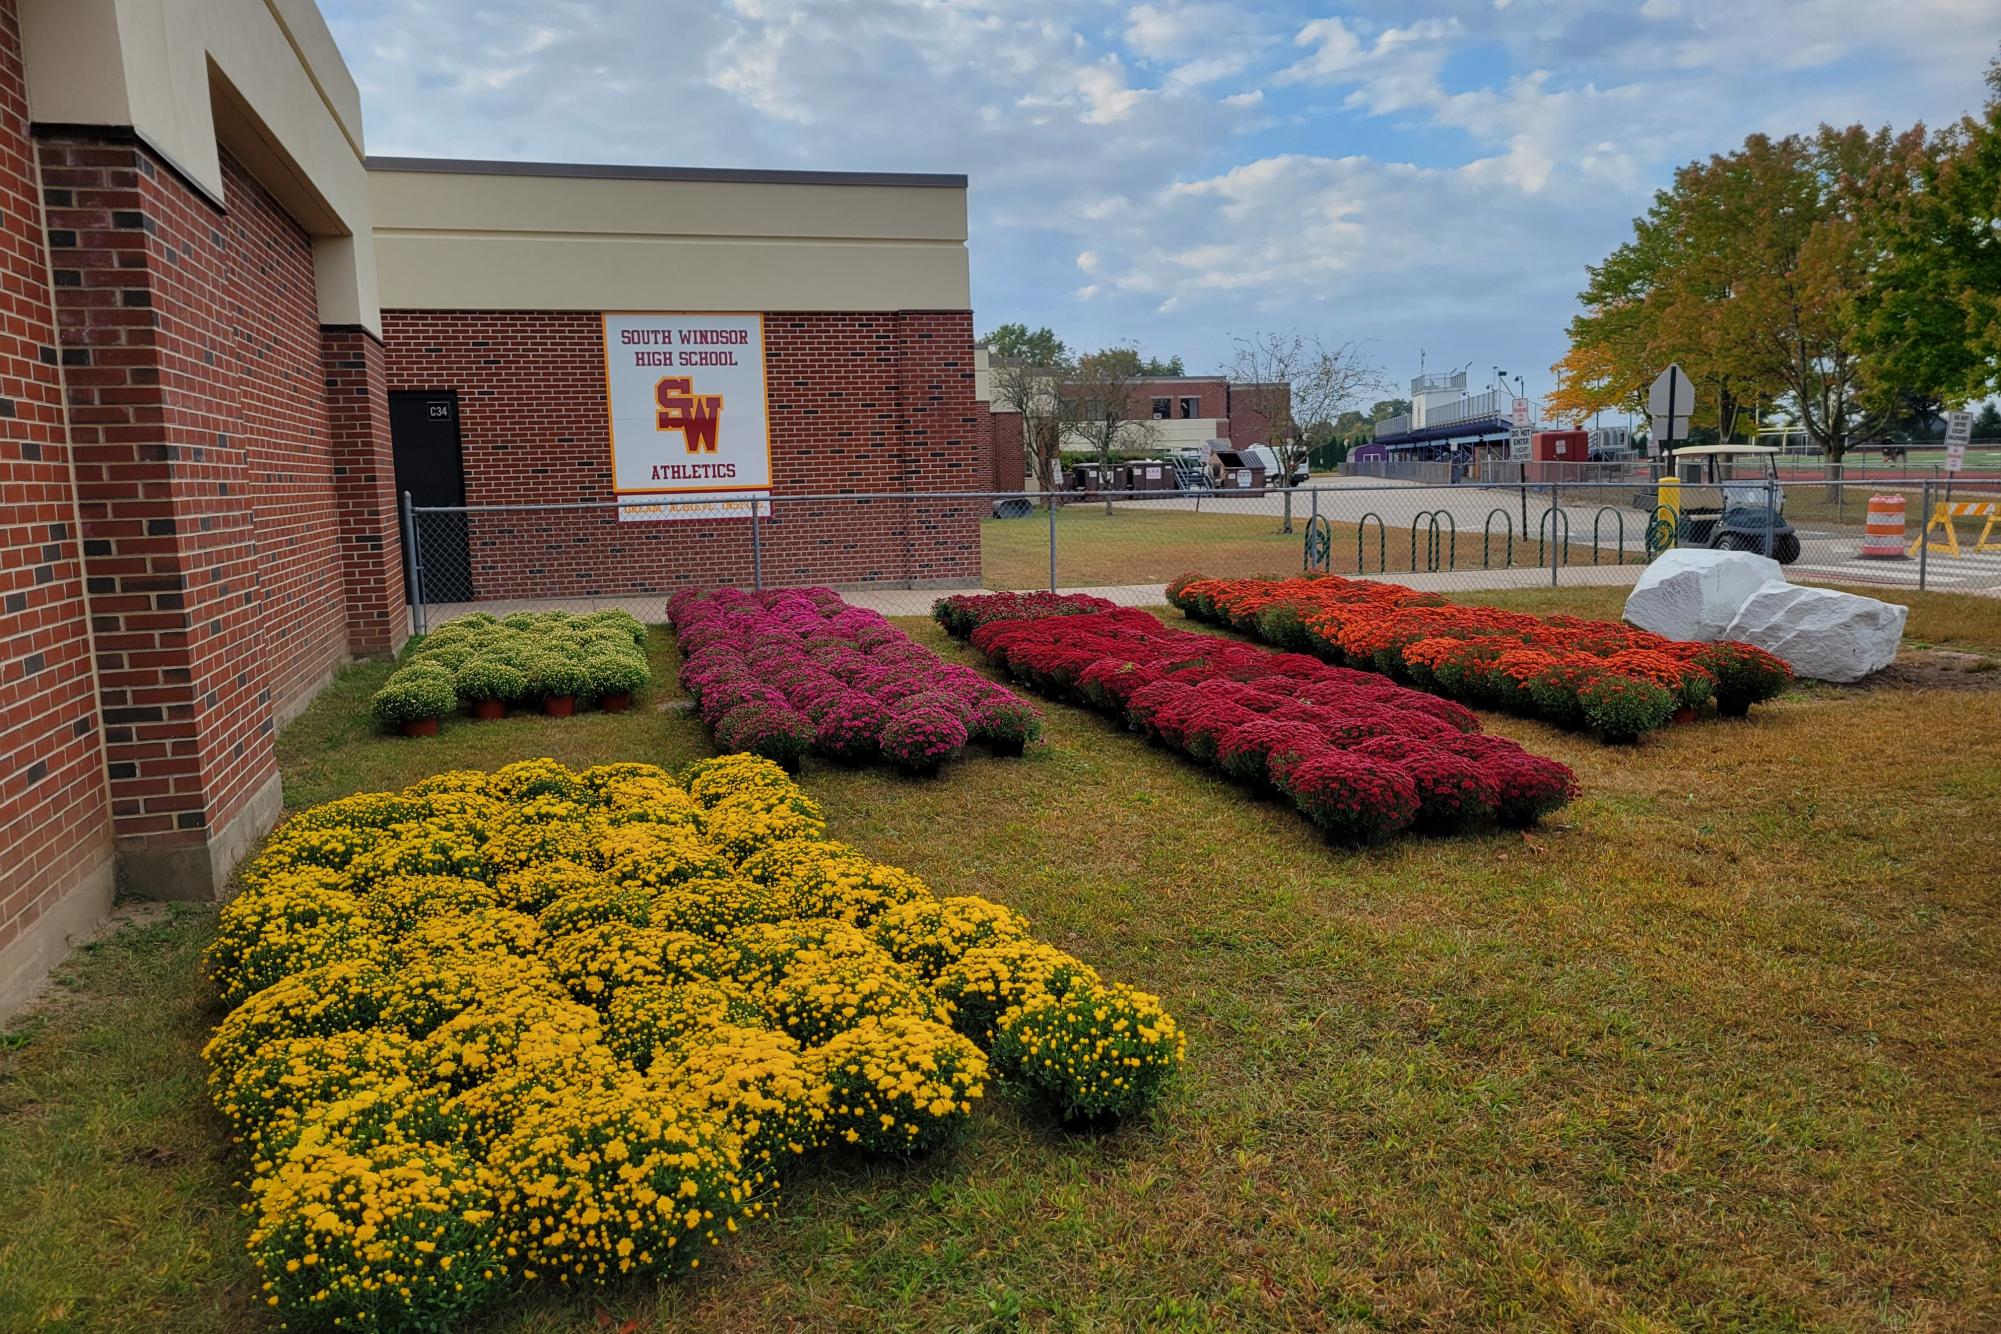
(1187, 412)
(204, 408)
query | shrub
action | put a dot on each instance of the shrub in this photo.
(898, 1085)
(769, 729)
(1625, 708)
(1452, 791)
(617, 673)
(644, 1022)
(814, 999)
(557, 676)
(1557, 691)
(591, 1065)
(1744, 675)
(1351, 799)
(867, 690)
(761, 1085)
(410, 698)
(617, 1178)
(489, 678)
(920, 740)
(989, 980)
(931, 934)
(1528, 787)
(285, 925)
(1004, 723)
(847, 725)
(1095, 1053)
(396, 1235)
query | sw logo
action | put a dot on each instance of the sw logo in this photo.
(696, 416)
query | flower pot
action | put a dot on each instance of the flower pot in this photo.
(489, 708)
(420, 727)
(1684, 714)
(559, 706)
(618, 703)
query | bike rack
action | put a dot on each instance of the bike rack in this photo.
(1432, 534)
(1662, 530)
(1319, 544)
(1382, 543)
(1598, 518)
(1546, 530)
(1487, 536)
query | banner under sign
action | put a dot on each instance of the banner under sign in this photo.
(685, 395)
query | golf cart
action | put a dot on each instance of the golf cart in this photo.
(1727, 498)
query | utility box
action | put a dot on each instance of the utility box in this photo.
(1557, 456)
(1560, 446)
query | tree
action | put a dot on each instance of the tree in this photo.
(1746, 272)
(1025, 367)
(1015, 343)
(1654, 301)
(1987, 426)
(1290, 378)
(1930, 312)
(1388, 407)
(1030, 390)
(1129, 360)
(1099, 402)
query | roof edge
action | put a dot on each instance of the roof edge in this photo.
(602, 171)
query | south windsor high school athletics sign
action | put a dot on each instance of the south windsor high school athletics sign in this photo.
(685, 393)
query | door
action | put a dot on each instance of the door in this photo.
(424, 432)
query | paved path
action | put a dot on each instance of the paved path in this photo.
(1471, 507)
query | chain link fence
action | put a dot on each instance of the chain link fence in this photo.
(896, 551)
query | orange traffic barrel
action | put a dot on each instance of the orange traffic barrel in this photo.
(1883, 538)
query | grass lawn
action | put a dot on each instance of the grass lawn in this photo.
(1717, 1047)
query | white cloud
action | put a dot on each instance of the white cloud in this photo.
(1208, 165)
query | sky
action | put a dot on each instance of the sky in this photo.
(1427, 178)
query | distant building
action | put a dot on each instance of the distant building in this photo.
(1445, 421)
(1188, 412)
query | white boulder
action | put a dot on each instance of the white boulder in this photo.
(1824, 635)
(1694, 593)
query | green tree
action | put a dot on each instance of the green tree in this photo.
(1746, 272)
(1127, 361)
(1987, 426)
(1100, 406)
(1017, 343)
(1930, 313)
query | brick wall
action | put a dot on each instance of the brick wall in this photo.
(1248, 426)
(1005, 447)
(1214, 396)
(142, 302)
(858, 403)
(54, 826)
(364, 476)
(198, 409)
(281, 417)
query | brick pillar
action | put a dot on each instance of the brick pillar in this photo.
(364, 469)
(940, 444)
(141, 282)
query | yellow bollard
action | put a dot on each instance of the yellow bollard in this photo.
(1667, 496)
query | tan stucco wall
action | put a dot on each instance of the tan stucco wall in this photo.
(473, 240)
(263, 76)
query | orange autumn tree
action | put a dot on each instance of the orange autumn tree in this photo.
(1744, 272)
